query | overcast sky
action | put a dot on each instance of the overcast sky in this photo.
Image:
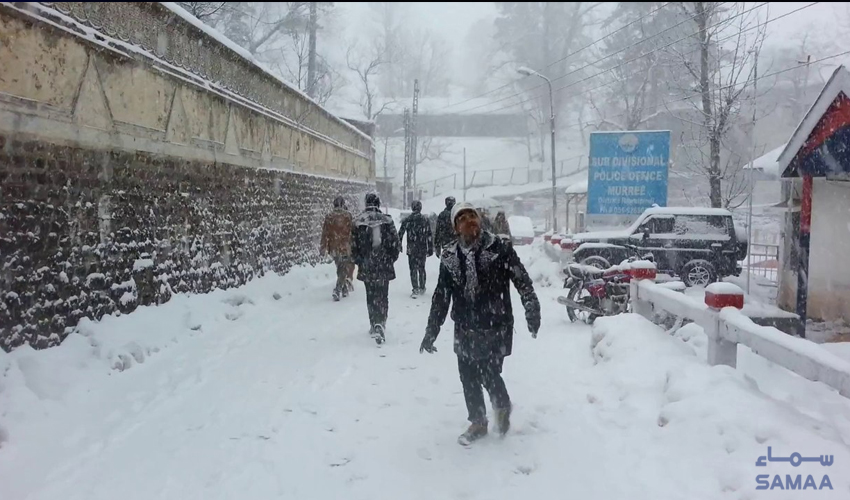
(453, 20)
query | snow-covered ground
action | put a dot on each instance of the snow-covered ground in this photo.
(274, 391)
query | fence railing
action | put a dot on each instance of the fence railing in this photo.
(726, 327)
(516, 176)
(764, 261)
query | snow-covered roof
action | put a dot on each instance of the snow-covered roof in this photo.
(769, 162)
(837, 83)
(220, 38)
(577, 188)
(687, 211)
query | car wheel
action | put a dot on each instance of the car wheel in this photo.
(596, 261)
(699, 273)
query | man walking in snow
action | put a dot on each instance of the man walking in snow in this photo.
(336, 241)
(375, 248)
(475, 276)
(420, 246)
(444, 232)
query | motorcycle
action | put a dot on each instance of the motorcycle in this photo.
(594, 292)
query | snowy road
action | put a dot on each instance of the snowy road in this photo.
(240, 395)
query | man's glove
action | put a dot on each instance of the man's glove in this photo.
(427, 345)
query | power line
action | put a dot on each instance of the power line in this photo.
(726, 87)
(559, 60)
(615, 53)
(632, 60)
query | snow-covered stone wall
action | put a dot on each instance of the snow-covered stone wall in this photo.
(142, 156)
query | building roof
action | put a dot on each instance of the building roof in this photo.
(838, 83)
(768, 162)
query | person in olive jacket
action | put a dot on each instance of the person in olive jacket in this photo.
(475, 276)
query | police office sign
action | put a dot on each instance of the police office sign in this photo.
(627, 174)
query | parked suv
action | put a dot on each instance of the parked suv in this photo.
(699, 245)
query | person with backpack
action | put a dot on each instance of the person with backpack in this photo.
(375, 249)
(420, 246)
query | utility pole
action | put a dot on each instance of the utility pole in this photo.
(752, 174)
(414, 135)
(464, 174)
(406, 157)
(311, 56)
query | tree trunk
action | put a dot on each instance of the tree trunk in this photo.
(311, 57)
(713, 170)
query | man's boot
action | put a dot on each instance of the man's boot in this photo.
(336, 295)
(475, 432)
(503, 419)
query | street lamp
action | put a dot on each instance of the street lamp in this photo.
(529, 72)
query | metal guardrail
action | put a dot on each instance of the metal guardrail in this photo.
(729, 327)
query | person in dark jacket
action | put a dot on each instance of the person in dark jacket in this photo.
(420, 245)
(375, 247)
(445, 233)
(336, 242)
(475, 276)
(501, 226)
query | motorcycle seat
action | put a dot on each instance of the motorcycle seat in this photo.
(585, 272)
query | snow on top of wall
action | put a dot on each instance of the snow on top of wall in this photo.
(76, 28)
(219, 37)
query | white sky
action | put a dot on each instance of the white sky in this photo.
(452, 21)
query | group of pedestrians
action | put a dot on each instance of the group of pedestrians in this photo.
(476, 270)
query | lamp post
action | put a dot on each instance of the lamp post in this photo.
(529, 72)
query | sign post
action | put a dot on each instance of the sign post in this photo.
(627, 173)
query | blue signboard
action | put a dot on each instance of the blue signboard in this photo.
(627, 172)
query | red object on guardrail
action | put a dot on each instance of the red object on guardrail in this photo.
(556, 239)
(547, 237)
(643, 273)
(720, 295)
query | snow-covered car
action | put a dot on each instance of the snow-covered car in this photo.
(522, 230)
(699, 245)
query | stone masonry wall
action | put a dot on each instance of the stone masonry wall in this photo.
(140, 157)
(85, 233)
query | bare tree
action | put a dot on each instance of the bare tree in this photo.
(723, 76)
(431, 149)
(367, 67)
(204, 11)
(544, 36)
(292, 60)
